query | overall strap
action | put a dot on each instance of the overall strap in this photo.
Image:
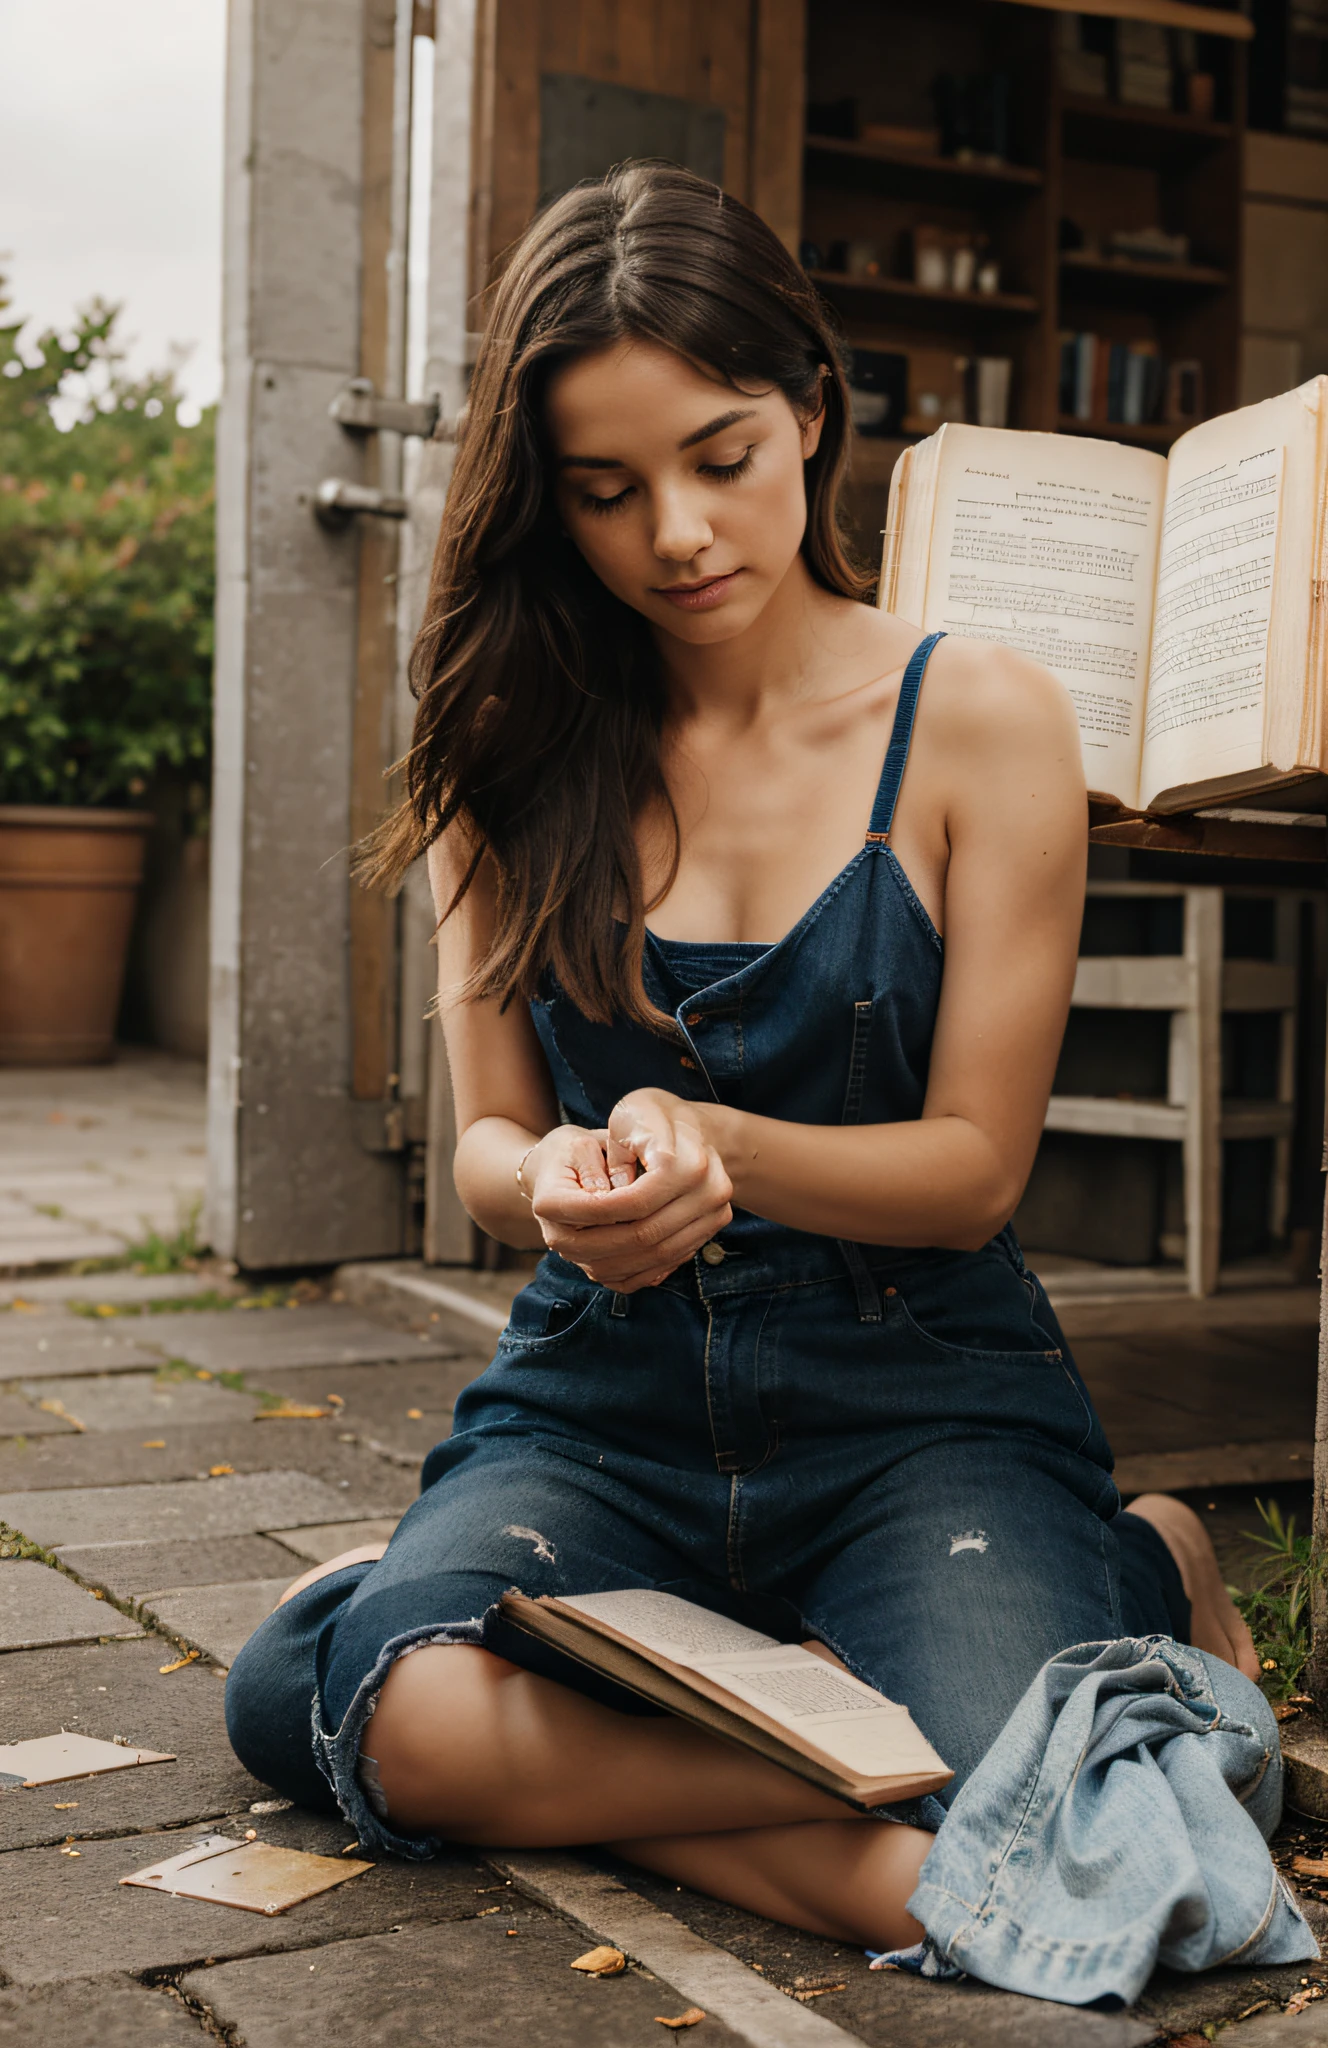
(896, 754)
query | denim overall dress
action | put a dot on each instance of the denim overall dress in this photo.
(889, 1450)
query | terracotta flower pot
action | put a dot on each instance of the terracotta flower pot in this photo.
(68, 883)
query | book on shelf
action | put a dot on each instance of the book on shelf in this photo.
(1109, 383)
(781, 1700)
(1182, 600)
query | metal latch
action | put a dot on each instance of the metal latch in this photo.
(361, 411)
(336, 502)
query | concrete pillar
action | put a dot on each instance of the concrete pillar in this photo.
(290, 1178)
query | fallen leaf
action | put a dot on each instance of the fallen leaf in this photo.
(601, 1962)
(819, 1991)
(415, 1415)
(25, 1308)
(1250, 2010)
(65, 1805)
(54, 1407)
(511, 1931)
(691, 2018)
(1310, 1866)
(71, 1852)
(289, 1412)
(334, 1400)
(103, 1308)
(189, 1657)
(1286, 1710)
(486, 1910)
(201, 1374)
(219, 1471)
(154, 1443)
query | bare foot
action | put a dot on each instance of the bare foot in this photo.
(368, 1553)
(1216, 1624)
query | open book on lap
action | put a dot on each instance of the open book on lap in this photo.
(1181, 600)
(776, 1698)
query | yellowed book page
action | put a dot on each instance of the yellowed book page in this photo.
(1047, 543)
(1231, 686)
(895, 516)
(846, 1720)
(916, 506)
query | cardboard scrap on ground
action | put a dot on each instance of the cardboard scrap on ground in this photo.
(47, 1759)
(254, 1876)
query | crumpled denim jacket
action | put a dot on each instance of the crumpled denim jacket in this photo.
(1119, 1821)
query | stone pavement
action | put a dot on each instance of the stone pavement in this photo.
(164, 1471)
(92, 1158)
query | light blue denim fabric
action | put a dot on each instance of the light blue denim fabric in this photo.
(1119, 1821)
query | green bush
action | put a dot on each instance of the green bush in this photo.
(106, 574)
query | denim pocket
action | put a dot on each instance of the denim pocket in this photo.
(551, 1312)
(985, 1310)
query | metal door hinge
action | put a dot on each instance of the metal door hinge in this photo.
(360, 410)
(336, 502)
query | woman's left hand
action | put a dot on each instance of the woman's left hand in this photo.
(670, 1193)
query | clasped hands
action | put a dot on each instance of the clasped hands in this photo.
(629, 1204)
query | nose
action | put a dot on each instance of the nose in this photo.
(682, 530)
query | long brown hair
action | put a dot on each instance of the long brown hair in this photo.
(540, 695)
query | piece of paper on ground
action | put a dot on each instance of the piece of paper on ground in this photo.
(255, 1876)
(47, 1759)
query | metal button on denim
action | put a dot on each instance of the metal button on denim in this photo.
(713, 1253)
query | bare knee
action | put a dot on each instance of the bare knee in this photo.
(436, 1734)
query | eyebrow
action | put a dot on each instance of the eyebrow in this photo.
(705, 433)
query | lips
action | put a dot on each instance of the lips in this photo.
(697, 597)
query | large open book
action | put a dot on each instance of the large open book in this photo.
(1181, 600)
(776, 1698)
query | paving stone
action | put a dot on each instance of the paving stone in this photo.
(1307, 2029)
(117, 1689)
(35, 1347)
(117, 2013)
(1177, 2004)
(885, 2008)
(253, 1340)
(128, 1570)
(63, 1917)
(148, 1401)
(22, 1417)
(218, 1620)
(126, 1288)
(40, 1606)
(372, 1484)
(329, 1539)
(243, 1504)
(438, 1987)
(407, 1408)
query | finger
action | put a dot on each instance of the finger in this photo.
(587, 1160)
(649, 1192)
(646, 1131)
(621, 1162)
(642, 1240)
(636, 1265)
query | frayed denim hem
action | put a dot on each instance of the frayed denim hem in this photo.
(337, 1752)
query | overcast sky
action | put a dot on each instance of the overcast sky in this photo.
(110, 169)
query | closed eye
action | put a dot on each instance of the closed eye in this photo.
(594, 503)
(729, 472)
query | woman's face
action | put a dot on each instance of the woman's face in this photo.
(684, 495)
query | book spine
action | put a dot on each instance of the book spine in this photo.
(1116, 382)
(1065, 382)
(1085, 346)
(1132, 407)
(1101, 373)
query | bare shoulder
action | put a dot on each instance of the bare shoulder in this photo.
(987, 702)
(449, 860)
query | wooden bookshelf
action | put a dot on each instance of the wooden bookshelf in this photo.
(1099, 164)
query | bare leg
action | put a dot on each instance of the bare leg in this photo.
(1216, 1624)
(368, 1553)
(837, 1878)
(473, 1748)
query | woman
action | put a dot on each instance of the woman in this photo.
(758, 923)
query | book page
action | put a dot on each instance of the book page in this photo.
(791, 1686)
(1214, 602)
(1048, 544)
(1238, 686)
(671, 1627)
